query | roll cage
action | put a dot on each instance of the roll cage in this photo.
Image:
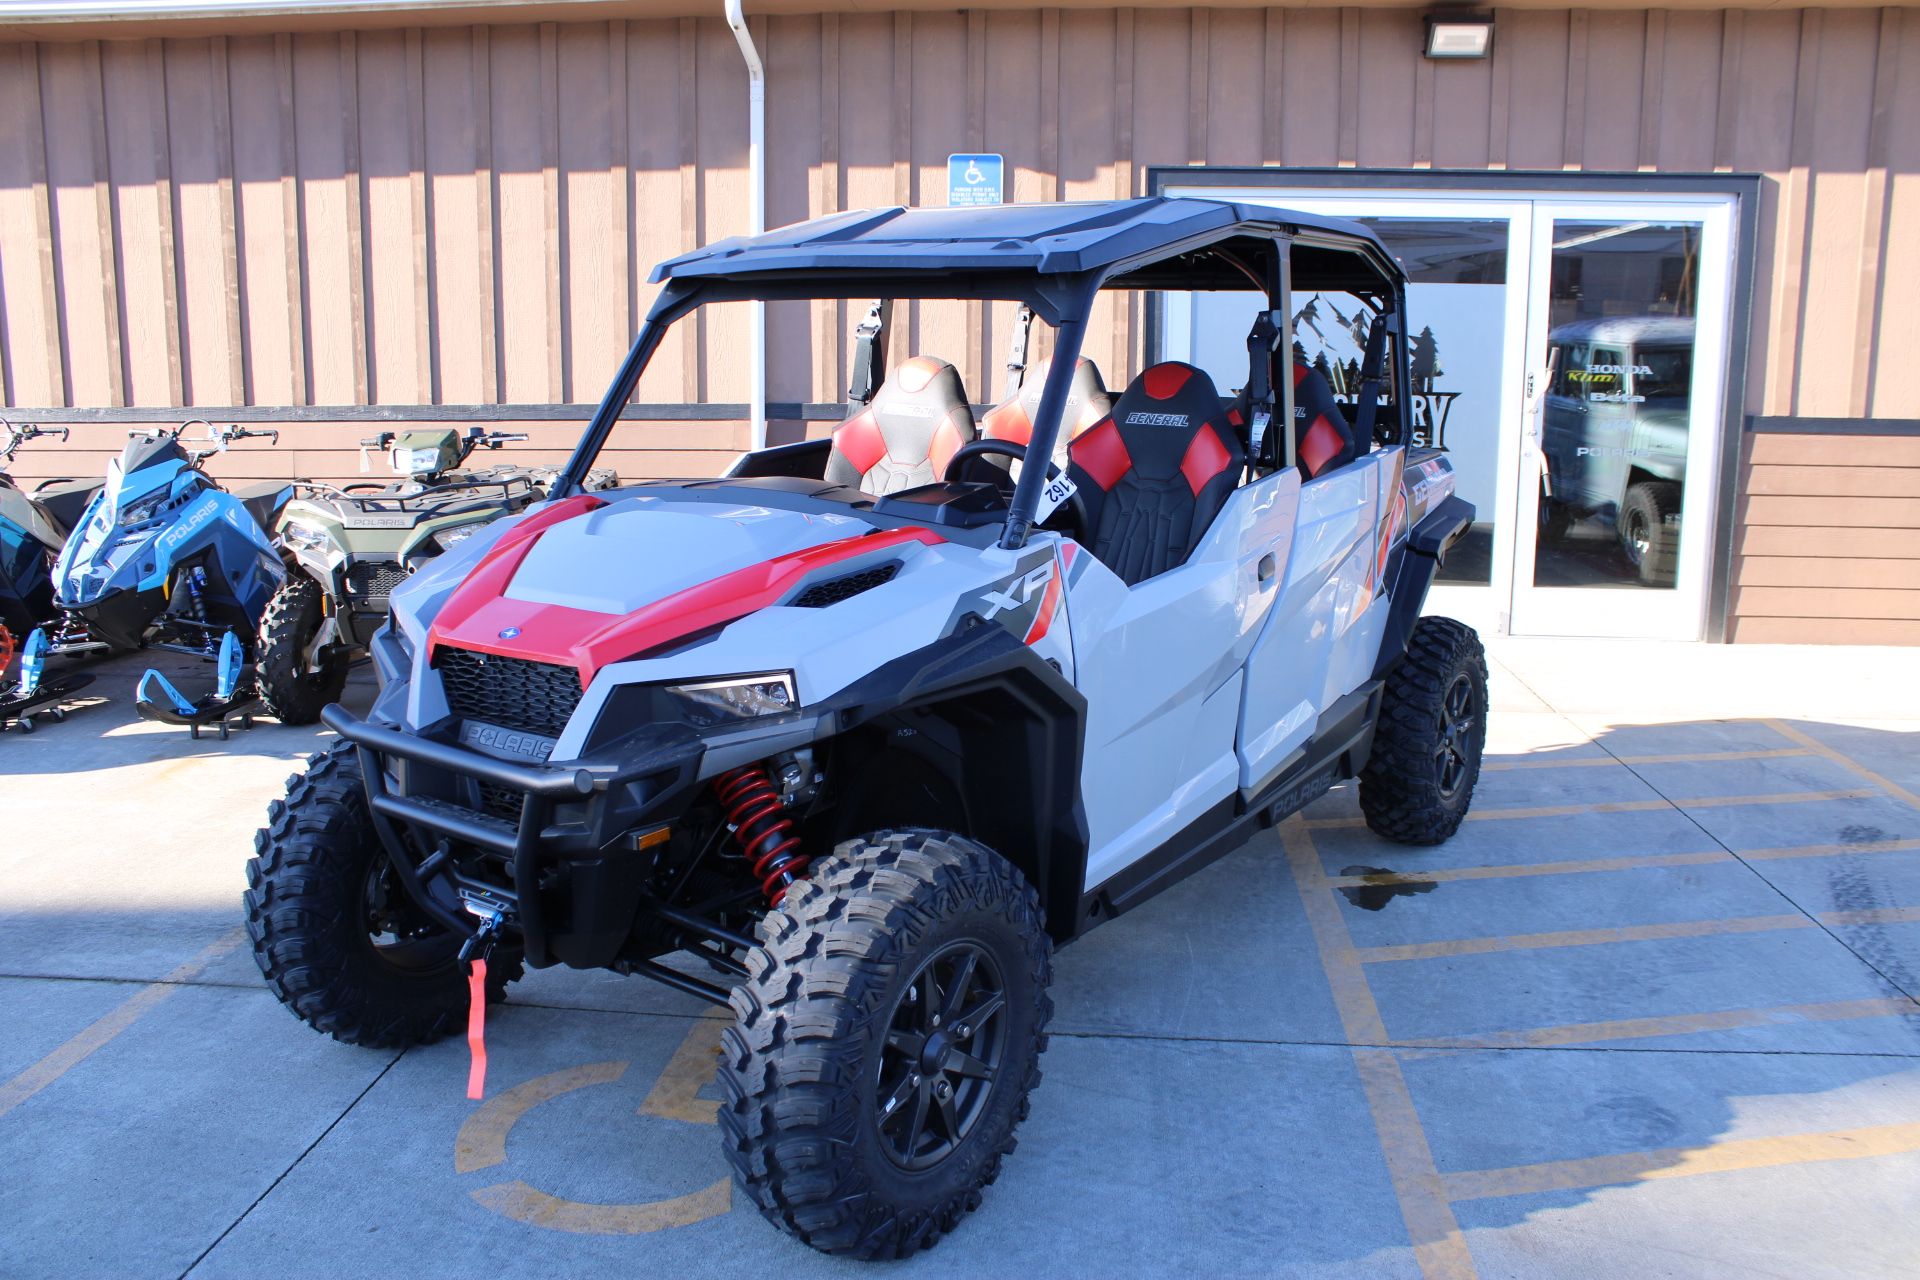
(1052, 258)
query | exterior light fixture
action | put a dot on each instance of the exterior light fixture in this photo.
(1452, 34)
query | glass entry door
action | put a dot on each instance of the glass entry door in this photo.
(1569, 355)
(1627, 347)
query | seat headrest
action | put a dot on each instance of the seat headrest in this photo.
(1169, 421)
(1088, 401)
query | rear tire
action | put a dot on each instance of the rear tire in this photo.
(847, 1116)
(291, 693)
(1650, 531)
(318, 888)
(1425, 761)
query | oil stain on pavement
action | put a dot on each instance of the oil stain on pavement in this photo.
(1373, 897)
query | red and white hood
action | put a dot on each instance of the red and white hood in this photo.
(622, 590)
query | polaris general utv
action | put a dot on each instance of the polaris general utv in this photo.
(858, 733)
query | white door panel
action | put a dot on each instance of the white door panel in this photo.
(1188, 770)
(1160, 664)
(1291, 670)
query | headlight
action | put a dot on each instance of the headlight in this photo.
(142, 511)
(450, 538)
(304, 536)
(712, 702)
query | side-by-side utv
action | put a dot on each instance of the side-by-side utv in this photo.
(851, 738)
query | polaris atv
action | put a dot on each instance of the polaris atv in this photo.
(33, 528)
(852, 737)
(348, 546)
(164, 556)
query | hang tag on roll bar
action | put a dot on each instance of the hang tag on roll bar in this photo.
(1257, 432)
(1057, 490)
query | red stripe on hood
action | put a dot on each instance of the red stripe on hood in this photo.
(479, 609)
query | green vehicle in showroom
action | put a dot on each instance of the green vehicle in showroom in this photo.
(348, 546)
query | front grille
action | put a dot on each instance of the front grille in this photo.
(834, 590)
(375, 578)
(533, 697)
(500, 802)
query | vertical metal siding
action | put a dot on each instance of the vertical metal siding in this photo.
(465, 216)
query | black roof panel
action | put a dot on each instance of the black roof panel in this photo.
(999, 240)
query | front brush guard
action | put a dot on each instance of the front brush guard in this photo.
(604, 798)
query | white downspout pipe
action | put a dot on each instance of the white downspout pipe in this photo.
(757, 207)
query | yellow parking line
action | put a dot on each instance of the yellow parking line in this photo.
(1845, 761)
(1580, 938)
(1631, 933)
(118, 1019)
(1684, 1162)
(1675, 1024)
(1439, 1247)
(1623, 806)
(1685, 757)
(1830, 850)
(1442, 875)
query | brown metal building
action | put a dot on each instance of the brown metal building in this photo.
(1675, 248)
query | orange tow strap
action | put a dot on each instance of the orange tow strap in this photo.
(477, 1029)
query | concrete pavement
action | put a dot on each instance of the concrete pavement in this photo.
(1652, 1011)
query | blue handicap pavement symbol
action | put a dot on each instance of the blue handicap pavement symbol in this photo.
(976, 180)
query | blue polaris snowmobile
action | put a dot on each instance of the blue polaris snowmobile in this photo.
(166, 557)
(32, 528)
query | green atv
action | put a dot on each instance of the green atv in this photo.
(348, 546)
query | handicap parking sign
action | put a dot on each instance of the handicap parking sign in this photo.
(976, 180)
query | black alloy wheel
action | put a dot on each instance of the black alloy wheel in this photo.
(1455, 753)
(945, 1042)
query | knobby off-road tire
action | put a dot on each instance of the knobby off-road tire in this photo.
(1425, 760)
(837, 1001)
(1650, 531)
(291, 693)
(313, 888)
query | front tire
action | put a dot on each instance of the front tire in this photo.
(1425, 761)
(885, 1042)
(291, 693)
(334, 933)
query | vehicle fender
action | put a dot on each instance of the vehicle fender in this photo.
(1003, 727)
(323, 565)
(1426, 550)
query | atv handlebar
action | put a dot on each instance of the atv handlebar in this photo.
(478, 438)
(17, 436)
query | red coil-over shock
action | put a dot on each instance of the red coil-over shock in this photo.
(763, 830)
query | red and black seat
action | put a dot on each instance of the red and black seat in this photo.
(1323, 441)
(1088, 402)
(907, 433)
(1156, 472)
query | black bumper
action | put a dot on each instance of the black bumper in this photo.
(571, 875)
